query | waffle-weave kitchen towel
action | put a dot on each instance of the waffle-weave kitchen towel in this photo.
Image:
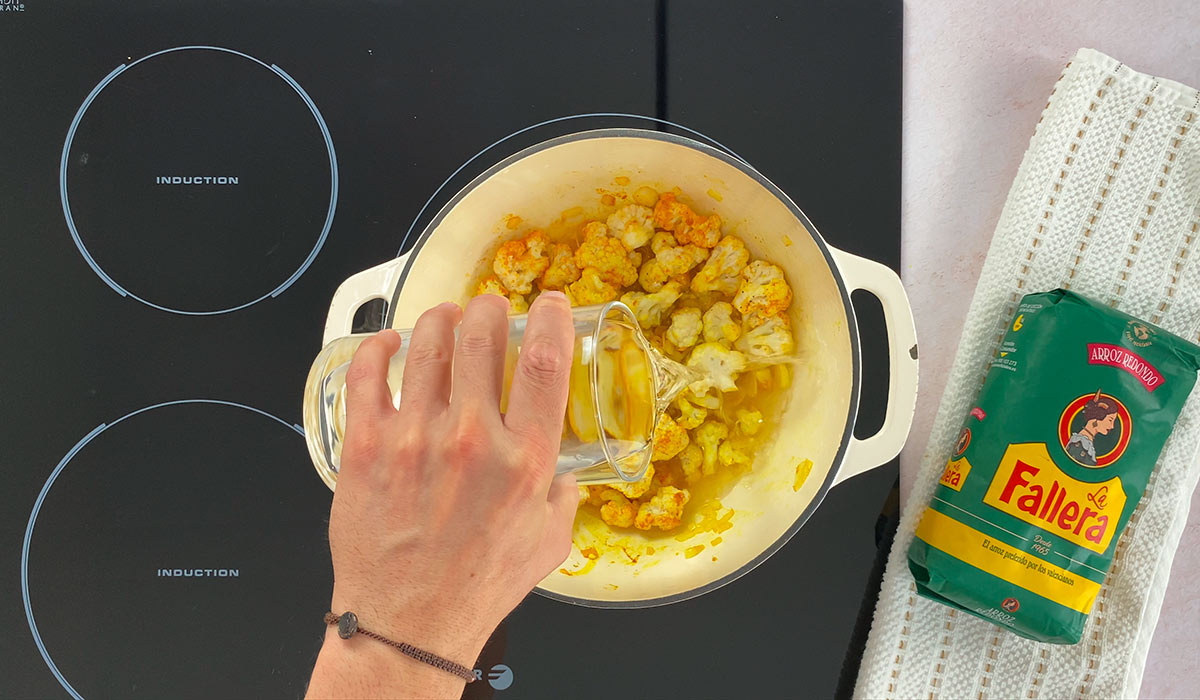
(1106, 202)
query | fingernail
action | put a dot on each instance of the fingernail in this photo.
(552, 295)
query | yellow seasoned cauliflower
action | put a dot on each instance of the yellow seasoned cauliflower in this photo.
(733, 452)
(749, 421)
(518, 263)
(652, 276)
(708, 398)
(763, 291)
(719, 324)
(593, 229)
(606, 255)
(686, 224)
(661, 241)
(633, 224)
(690, 415)
(692, 462)
(635, 259)
(704, 231)
(773, 338)
(669, 439)
(685, 327)
(491, 285)
(649, 308)
(518, 304)
(584, 494)
(722, 271)
(664, 510)
(591, 288)
(562, 269)
(710, 435)
(616, 509)
(595, 494)
(679, 259)
(719, 365)
(636, 489)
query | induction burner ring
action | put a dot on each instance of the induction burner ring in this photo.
(37, 638)
(87, 256)
(555, 120)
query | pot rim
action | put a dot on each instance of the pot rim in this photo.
(848, 307)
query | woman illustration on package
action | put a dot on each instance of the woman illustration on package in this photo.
(1099, 415)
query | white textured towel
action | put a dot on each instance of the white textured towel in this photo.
(1107, 203)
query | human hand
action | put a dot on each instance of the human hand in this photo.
(446, 514)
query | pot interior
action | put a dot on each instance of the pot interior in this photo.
(559, 185)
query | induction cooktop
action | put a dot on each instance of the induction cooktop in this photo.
(183, 186)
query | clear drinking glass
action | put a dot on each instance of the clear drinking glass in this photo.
(620, 385)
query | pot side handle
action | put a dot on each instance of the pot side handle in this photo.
(378, 282)
(883, 446)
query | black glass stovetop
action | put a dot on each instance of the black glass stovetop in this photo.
(183, 186)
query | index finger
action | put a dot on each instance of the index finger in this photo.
(538, 399)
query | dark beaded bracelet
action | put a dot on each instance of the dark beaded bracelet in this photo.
(347, 624)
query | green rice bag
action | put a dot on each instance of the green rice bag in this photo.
(1050, 463)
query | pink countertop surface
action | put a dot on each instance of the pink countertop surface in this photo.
(976, 78)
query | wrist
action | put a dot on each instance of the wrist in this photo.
(363, 667)
(436, 627)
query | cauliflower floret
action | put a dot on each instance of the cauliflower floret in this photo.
(719, 324)
(690, 415)
(686, 224)
(705, 399)
(591, 288)
(584, 494)
(518, 304)
(491, 285)
(606, 255)
(653, 276)
(705, 231)
(632, 224)
(692, 461)
(562, 269)
(749, 421)
(649, 308)
(594, 229)
(709, 436)
(772, 338)
(721, 273)
(635, 259)
(763, 291)
(669, 439)
(685, 327)
(661, 241)
(664, 510)
(680, 259)
(719, 365)
(595, 494)
(669, 212)
(518, 263)
(636, 489)
(616, 509)
(732, 452)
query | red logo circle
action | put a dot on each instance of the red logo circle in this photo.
(1107, 437)
(960, 445)
(1011, 605)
